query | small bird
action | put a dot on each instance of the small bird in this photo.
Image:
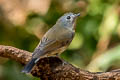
(55, 40)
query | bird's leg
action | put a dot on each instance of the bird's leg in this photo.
(63, 61)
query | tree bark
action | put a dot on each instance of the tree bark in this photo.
(53, 68)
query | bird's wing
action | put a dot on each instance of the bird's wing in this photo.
(40, 49)
(50, 42)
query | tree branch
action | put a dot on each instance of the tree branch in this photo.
(52, 68)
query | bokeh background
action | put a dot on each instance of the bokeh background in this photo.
(96, 46)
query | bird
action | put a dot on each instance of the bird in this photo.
(55, 40)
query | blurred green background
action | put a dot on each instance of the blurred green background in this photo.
(96, 46)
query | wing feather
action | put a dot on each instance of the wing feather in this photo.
(52, 40)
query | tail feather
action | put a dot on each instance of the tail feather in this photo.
(29, 66)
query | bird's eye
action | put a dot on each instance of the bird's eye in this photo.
(68, 17)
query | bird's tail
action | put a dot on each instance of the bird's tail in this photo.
(29, 66)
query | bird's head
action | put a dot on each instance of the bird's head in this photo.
(68, 20)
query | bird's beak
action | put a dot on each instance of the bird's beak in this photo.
(76, 15)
